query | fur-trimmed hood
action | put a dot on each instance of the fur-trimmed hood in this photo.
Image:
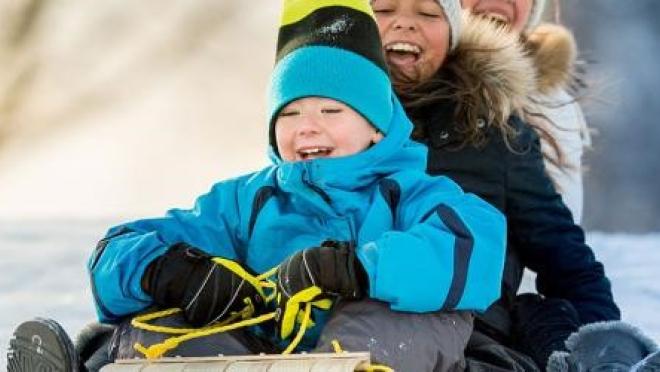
(492, 74)
(554, 52)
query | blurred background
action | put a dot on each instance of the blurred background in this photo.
(119, 109)
(111, 110)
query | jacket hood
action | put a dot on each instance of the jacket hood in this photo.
(554, 52)
(494, 77)
(395, 152)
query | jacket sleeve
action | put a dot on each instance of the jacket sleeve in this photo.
(446, 252)
(549, 242)
(117, 265)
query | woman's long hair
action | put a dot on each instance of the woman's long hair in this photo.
(475, 100)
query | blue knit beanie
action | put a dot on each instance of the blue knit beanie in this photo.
(331, 49)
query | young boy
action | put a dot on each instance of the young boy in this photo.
(346, 207)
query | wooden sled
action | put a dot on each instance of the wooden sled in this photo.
(331, 362)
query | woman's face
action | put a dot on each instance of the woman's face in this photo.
(512, 12)
(415, 35)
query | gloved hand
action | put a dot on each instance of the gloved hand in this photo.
(207, 291)
(331, 270)
(542, 325)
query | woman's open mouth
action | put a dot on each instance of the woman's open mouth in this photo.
(314, 152)
(402, 54)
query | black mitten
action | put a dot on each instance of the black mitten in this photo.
(207, 291)
(333, 267)
(331, 270)
(542, 325)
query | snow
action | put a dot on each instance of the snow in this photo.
(339, 25)
(44, 274)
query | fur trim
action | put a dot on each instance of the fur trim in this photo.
(626, 328)
(90, 332)
(554, 51)
(495, 77)
(557, 362)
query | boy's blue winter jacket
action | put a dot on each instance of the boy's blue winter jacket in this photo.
(425, 244)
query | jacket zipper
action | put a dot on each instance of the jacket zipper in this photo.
(315, 188)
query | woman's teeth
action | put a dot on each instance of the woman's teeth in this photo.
(403, 47)
(401, 53)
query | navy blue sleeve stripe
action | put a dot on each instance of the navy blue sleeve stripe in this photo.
(261, 197)
(463, 247)
(100, 246)
(391, 192)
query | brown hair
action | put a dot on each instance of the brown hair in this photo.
(450, 84)
(453, 83)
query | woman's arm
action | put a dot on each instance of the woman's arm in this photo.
(548, 241)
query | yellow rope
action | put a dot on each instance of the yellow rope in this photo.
(158, 350)
(336, 346)
(377, 368)
(364, 368)
(261, 281)
(301, 331)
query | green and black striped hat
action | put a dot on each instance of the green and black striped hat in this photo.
(331, 49)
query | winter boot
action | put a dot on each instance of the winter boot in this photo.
(41, 345)
(94, 346)
(542, 325)
(649, 364)
(612, 346)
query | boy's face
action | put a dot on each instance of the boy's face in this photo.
(515, 13)
(415, 35)
(315, 127)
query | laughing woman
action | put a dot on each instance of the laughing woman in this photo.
(466, 84)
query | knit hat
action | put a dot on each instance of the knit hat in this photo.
(538, 6)
(331, 49)
(452, 9)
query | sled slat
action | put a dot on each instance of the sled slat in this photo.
(336, 365)
(292, 366)
(344, 362)
(206, 367)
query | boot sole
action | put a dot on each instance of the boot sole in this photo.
(41, 345)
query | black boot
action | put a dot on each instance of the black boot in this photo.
(41, 345)
(612, 346)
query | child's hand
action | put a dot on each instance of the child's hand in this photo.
(207, 291)
(333, 268)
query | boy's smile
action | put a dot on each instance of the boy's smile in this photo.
(314, 127)
(313, 152)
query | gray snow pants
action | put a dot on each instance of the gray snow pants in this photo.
(407, 342)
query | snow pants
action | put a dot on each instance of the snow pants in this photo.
(403, 341)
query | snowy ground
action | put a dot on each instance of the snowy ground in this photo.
(43, 274)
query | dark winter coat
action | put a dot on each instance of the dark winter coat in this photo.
(541, 233)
